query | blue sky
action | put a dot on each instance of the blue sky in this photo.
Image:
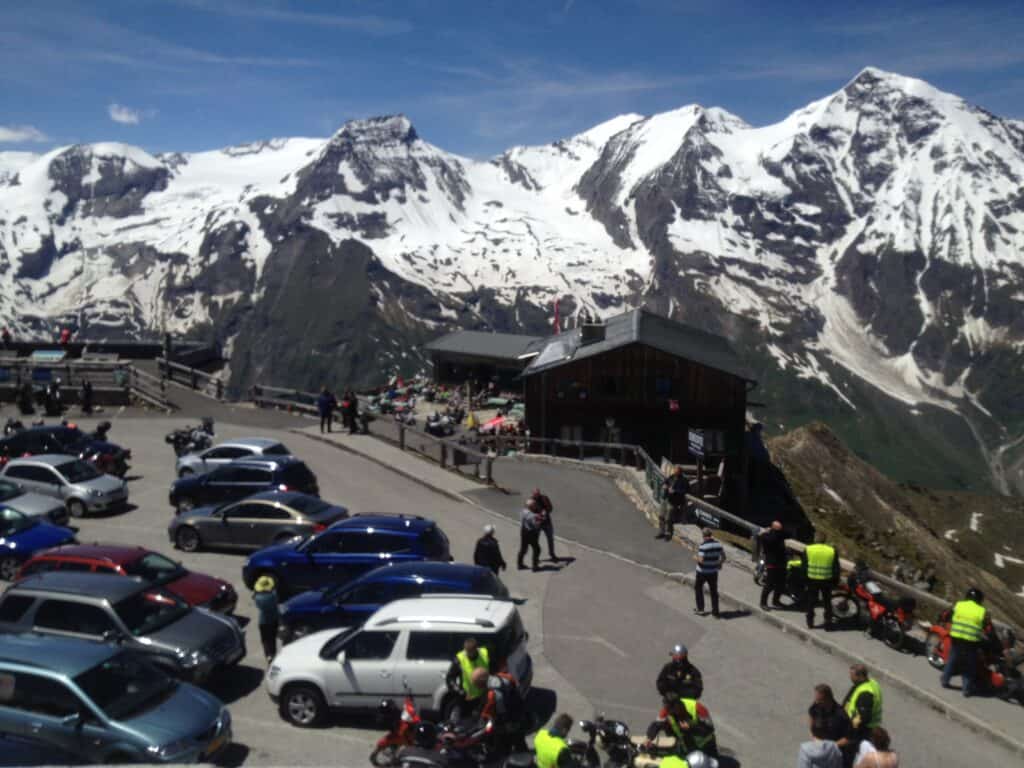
(474, 77)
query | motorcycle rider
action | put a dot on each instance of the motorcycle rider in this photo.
(459, 679)
(679, 677)
(504, 707)
(550, 745)
(821, 569)
(967, 632)
(689, 722)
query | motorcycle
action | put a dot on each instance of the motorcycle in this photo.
(439, 426)
(993, 674)
(191, 439)
(456, 745)
(795, 586)
(861, 597)
(613, 737)
(401, 730)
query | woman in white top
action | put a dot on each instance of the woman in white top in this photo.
(875, 752)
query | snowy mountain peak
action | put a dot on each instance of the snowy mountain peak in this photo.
(378, 131)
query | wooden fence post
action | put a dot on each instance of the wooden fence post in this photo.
(401, 437)
(444, 455)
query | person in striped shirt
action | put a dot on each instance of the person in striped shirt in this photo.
(710, 557)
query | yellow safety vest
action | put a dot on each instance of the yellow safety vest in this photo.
(872, 687)
(968, 621)
(673, 761)
(468, 666)
(699, 742)
(820, 558)
(548, 748)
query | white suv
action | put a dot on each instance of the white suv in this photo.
(407, 643)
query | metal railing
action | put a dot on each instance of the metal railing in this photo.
(211, 384)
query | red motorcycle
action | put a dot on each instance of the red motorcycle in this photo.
(861, 598)
(401, 730)
(993, 675)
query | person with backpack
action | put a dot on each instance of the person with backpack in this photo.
(505, 708)
(675, 488)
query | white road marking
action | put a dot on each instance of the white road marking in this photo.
(592, 639)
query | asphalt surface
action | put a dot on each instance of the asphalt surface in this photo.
(600, 624)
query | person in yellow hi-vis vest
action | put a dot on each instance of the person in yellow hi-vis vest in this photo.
(551, 747)
(821, 570)
(863, 705)
(967, 632)
(468, 698)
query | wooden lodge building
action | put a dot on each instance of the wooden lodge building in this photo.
(480, 357)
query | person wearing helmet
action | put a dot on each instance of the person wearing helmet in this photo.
(504, 707)
(487, 552)
(689, 722)
(698, 759)
(679, 677)
(967, 632)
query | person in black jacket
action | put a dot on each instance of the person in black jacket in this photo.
(488, 553)
(773, 548)
(680, 677)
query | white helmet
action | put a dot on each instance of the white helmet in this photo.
(698, 759)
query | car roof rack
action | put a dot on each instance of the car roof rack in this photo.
(485, 623)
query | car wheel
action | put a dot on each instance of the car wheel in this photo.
(9, 568)
(76, 508)
(185, 472)
(186, 505)
(187, 539)
(303, 705)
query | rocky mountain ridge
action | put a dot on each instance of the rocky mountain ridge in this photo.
(864, 254)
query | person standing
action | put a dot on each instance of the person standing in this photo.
(875, 751)
(460, 679)
(86, 396)
(710, 558)
(545, 508)
(550, 746)
(819, 752)
(265, 596)
(826, 710)
(863, 705)
(325, 405)
(967, 632)
(679, 677)
(821, 569)
(529, 534)
(675, 488)
(487, 552)
(773, 549)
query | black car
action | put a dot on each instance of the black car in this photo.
(254, 522)
(243, 478)
(107, 457)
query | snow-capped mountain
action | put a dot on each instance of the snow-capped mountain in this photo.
(865, 253)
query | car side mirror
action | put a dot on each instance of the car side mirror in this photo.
(75, 721)
(341, 657)
(113, 636)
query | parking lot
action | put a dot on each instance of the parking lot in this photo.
(599, 626)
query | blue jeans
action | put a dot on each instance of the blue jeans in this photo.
(964, 655)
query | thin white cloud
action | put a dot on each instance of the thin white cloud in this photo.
(374, 25)
(124, 115)
(19, 134)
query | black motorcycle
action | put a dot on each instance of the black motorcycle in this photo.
(613, 737)
(795, 586)
(191, 439)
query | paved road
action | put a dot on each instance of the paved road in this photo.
(599, 625)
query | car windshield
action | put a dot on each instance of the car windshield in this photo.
(510, 637)
(154, 567)
(78, 471)
(12, 521)
(277, 449)
(310, 506)
(435, 543)
(146, 612)
(126, 686)
(297, 476)
(8, 490)
(68, 436)
(333, 646)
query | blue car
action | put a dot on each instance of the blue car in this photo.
(353, 603)
(345, 551)
(22, 536)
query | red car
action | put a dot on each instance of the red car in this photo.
(196, 589)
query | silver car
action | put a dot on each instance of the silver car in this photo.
(77, 484)
(246, 447)
(33, 504)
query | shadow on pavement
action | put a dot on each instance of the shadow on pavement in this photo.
(232, 756)
(541, 703)
(235, 683)
(737, 614)
(108, 513)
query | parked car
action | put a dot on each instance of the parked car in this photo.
(353, 603)
(243, 448)
(196, 589)
(22, 536)
(406, 643)
(104, 704)
(241, 478)
(345, 551)
(33, 504)
(187, 642)
(79, 485)
(253, 523)
(107, 457)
